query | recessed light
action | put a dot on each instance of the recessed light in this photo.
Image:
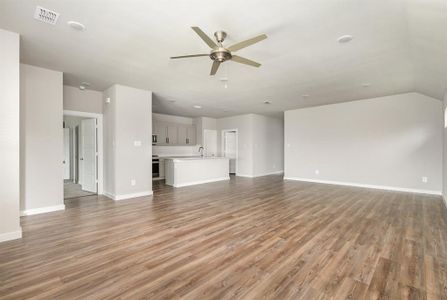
(197, 106)
(81, 87)
(305, 95)
(344, 39)
(76, 25)
(366, 84)
(267, 102)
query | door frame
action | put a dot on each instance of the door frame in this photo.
(237, 146)
(99, 140)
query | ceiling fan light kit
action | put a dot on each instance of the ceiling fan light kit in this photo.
(220, 54)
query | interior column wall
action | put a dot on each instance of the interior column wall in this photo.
(128, 142)
(9, 136)
(444, 152)
(41, 99)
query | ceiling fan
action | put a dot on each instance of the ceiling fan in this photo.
(220, 54)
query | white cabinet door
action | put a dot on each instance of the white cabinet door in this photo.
(191, 135)
(172, 134)
(88, 155)
(160, 130)
(66, 160)
(182, 135)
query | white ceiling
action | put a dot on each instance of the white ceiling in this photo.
(398, 46)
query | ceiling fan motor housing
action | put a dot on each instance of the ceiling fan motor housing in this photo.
(220, 36)
(220, 54)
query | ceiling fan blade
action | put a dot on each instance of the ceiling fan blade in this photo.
(245, 61)
(205, 38)
(214, 67)
(247, 43)
(186, 56)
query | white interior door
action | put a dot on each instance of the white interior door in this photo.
(230, 149)
(210, 142)
(66, 160)
(88, 155)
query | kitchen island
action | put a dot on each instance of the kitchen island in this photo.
(196, 170)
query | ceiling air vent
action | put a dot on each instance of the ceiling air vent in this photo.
(46, 15)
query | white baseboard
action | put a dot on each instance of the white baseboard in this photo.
(201, 181)
(41, 210)
(108, 195)
(8, 236)
(260, 175)
(369, 186)
(127, 196)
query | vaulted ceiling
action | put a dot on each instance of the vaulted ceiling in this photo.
(398, 46)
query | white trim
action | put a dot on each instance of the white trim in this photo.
(41, 210)
(13, 235)
(262, 174)
(108, 195)
(99, 118)
(369, 186)
(128, 196)
(201, 181)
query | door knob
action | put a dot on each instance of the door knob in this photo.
(82, 158)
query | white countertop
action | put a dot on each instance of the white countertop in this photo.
(196, 158)
(178, 156)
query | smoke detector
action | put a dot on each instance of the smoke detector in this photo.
(45, 15)
(76, 25)
(84, 85)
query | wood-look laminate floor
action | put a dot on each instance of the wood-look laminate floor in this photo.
(244, 238)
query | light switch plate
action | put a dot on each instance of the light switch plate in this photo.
(137, 143)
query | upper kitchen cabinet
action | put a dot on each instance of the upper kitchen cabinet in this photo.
(191, 135)
(172, 134)
(186, 134)
(159, 133)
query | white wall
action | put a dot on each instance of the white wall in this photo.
(260, 143)
(268, 147)
(128, 119)
(9, 137)
(162, 151)
(109, 110)
(172, 119)
(389, 141)
(202, 124)
(85, 101)
(41, 139)
(444, 152)
(244, 126)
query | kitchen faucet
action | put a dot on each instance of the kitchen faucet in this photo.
(201, 150)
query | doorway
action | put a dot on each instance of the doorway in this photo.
(82, 154)
(230, 148)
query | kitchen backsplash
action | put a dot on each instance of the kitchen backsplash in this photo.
(175, 150)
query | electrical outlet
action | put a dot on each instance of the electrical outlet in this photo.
(317, 172)
(137, 143)
(133, 182)
(424, 179)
